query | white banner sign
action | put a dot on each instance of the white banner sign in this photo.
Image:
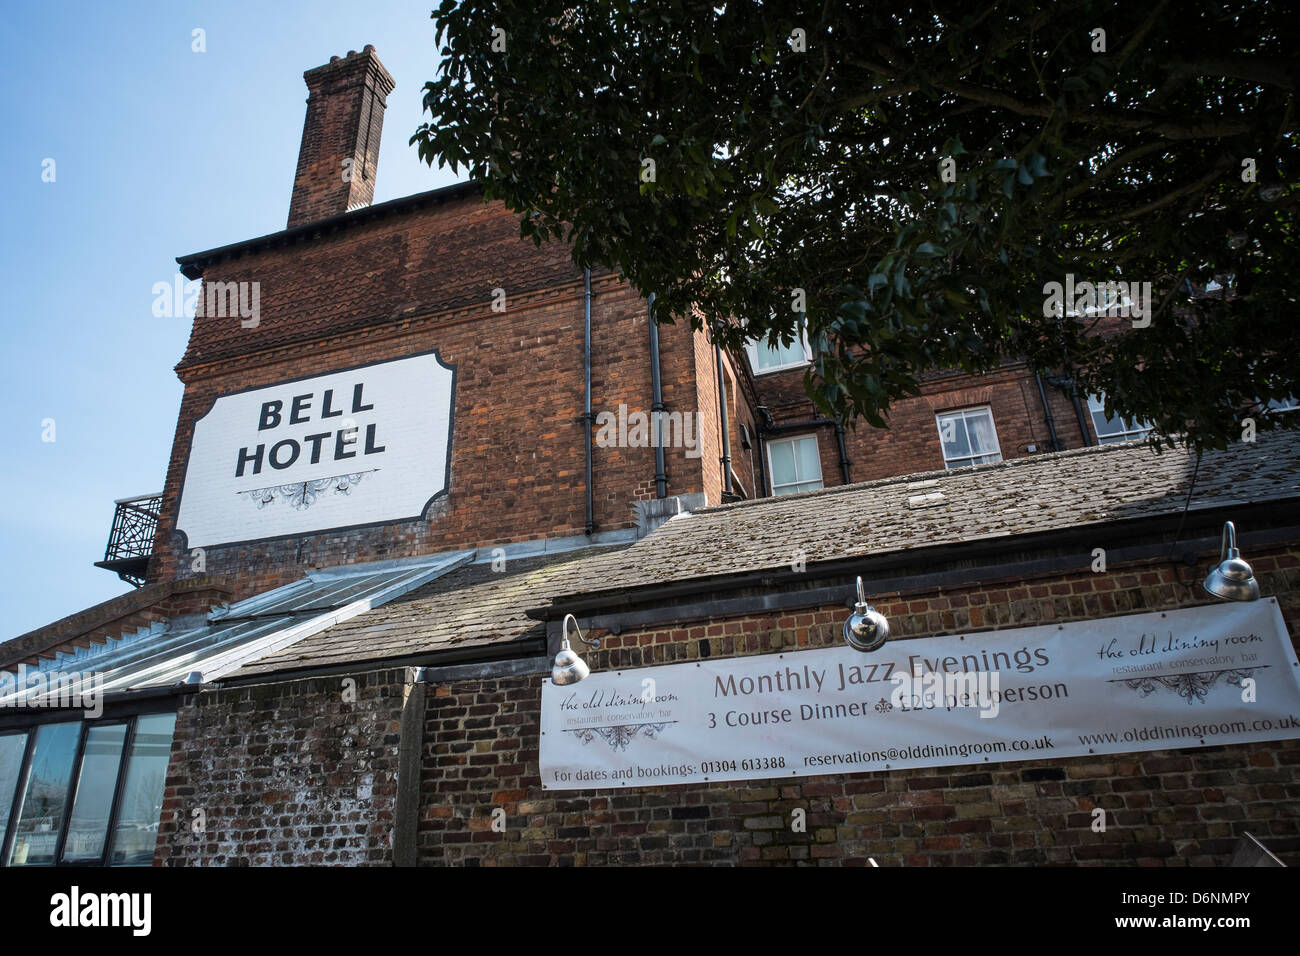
(360, 446)
(1221, 674)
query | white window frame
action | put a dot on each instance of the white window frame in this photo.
(1129, 431)
(799, 479)
(753, 345)
(968, 461)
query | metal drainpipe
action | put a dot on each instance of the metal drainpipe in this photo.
(588, 418)
(1047, 413)
(1078, 412)
(726, 425)
(657, 408)
(764, 490)
(845, 464)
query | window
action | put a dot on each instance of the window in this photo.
(795, 465)
(968, 438)
(1110, 430)
(93, 804)
(36, 819)
(142, 796)
(12, 748)
(764, 358)
(85, 793)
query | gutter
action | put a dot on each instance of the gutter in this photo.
(588, 418)
(1053, 439)
(725, 424)
(159, 697)
(1079, 414)
(475, 654)
(801, 425)
(845, 464)
(657, 405)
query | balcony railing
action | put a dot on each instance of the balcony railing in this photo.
(130, 543)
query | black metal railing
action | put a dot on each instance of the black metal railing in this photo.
(130, 543)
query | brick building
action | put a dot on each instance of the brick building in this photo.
(410, 444)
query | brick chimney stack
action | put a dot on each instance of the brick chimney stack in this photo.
(340, 138)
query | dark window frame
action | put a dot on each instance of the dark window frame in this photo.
(128, 715)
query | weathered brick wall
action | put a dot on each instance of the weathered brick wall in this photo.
(1164, 808)
(283, 774)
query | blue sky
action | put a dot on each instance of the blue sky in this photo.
(159, 151)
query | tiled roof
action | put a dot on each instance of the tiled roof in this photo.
(1027, 495)
(471, 606)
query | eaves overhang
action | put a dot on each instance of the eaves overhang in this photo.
(193, 265)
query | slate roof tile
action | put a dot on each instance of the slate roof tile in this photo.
(1019, 497)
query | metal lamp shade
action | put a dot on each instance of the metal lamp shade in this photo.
(1232, 578)
(866, 628)
(569, 667)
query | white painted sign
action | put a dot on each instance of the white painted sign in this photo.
(361, 446)
(1221, 674)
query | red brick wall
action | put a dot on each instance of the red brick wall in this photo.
(517, 469)
(1164, 808)
(911, 443)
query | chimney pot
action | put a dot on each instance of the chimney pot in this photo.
(340, 136)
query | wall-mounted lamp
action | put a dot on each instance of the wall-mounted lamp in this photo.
(866, 628)
(1232, 578)
(569, 667)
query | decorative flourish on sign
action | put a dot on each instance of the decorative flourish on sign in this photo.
(619, 736)
(303, 494)
(1191, 686)
(883, 706)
